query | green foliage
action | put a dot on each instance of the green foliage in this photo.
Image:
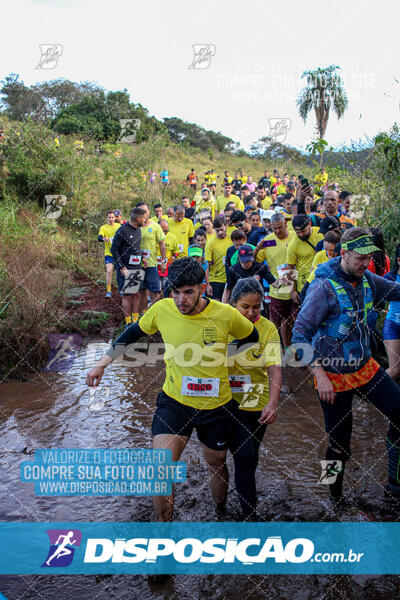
(324, 90)
(183, 132)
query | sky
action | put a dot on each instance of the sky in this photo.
(258, 51)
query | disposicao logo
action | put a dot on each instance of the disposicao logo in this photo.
(62, 547)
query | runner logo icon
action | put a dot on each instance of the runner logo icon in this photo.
(62, 547)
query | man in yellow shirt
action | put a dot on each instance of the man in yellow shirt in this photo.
(182, 229)
(273, 249)
(227, 196)
(206, 201)
(243, 177)
(301, 252)
(196, 394)
(321, 178)
(262, 197)
(158, 213)
(106, 236)
(171, 249)
(152, 239)
(215, 255)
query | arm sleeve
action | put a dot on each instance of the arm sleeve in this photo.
(159, 234)
(231, 279)
(240, 326)
(272, 349)
(129, 336)
(266, 274)
(191, 229)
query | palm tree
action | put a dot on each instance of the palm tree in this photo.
(324, 91)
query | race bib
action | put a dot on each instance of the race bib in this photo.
(280, 269)
(239, 383)
(146, 253)
(267, 298)
(200, 386)
(180, 247)
(159, 259)
(135, 260)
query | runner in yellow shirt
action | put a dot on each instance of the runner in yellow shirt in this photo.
(256, 380)
(206, 202)
(273, 248)
(196, 393)
(151, 242)
(106, 236)
(301, 252)
(182, 229)
(171, 249)
(215, 255)
(158, 213)
(227, 197)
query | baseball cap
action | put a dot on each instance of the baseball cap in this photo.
(362, 245)
(205, 190)
(245, 253)
(344, 195)
(195, 251)
(328, 223)
(117, 213)
(300, 221)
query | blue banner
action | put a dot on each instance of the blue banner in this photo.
(198, 548)
(91, 472)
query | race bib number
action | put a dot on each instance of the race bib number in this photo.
(135, 260)
(180, 247)
(200, 386)
(239, 383)
(132, 281)
(146, 253)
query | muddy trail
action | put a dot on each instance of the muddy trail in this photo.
(53, 410)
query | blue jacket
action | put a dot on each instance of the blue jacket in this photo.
(321, 305)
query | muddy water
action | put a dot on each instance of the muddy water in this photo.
(53, 411)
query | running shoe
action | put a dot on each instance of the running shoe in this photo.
(108, 295)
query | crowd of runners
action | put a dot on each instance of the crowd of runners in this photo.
(240, 282)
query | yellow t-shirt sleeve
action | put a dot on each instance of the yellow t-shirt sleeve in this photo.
(261, 255)
(191, 229)
(149, 322)
(102, 232)
(159, 234)
(240, 326)
(272, 352)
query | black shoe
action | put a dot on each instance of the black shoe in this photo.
(158, 578)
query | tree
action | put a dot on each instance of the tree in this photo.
(189, 133)
(268, 148)
(324, 91)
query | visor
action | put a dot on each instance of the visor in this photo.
(195, 252)
(361, 245)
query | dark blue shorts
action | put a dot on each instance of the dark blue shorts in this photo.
(391, 330)
(108, 259)
(151, 280)
(213, 426)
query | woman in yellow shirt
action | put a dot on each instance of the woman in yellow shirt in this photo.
(255, 379)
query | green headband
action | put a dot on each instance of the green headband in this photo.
(361, 245)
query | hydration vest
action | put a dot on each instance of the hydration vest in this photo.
(339, 327)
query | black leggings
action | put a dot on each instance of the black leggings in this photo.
(382, 392)
(247, 435)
